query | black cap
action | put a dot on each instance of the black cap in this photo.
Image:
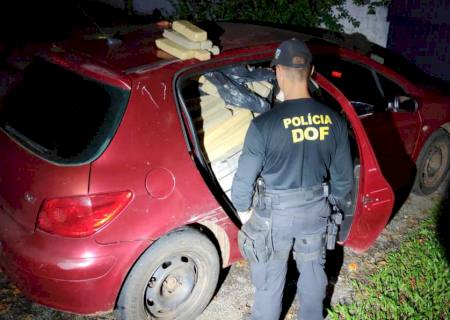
(292, 53)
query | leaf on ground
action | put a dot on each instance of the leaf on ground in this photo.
(352, 266)
(412, 281)
(16, 291)
(242, 263)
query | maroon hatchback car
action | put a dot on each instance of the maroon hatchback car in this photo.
(112, 197)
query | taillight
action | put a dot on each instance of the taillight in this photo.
(81, 216)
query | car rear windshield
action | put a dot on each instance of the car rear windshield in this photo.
(60, 115)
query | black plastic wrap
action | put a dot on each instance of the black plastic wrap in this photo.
(231, 85)
(242, 74)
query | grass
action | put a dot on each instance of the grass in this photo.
(413, 284)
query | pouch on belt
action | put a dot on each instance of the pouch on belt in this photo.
(255, 239)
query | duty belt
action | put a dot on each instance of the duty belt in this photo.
(284, 199)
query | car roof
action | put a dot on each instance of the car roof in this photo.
(136, 46)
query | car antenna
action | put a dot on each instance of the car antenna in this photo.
(111, 40)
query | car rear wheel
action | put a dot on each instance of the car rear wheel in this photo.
(433, 163)
(174, 279)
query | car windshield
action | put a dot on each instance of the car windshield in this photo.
(60, 115)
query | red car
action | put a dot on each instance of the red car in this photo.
(109, 200)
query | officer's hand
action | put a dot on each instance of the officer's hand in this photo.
(244, 215)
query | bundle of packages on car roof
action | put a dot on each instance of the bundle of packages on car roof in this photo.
(187, 41)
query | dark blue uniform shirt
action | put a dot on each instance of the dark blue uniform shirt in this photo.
(299, 143)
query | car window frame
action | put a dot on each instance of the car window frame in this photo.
(187, 124)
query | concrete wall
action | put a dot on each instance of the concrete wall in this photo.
(147, 6)
(420, 31)
(374, 27)
(142, 6)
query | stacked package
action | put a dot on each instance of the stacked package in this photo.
(222, 128)
(186, 41)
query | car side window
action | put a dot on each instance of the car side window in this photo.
(356, 82)
(390, 88)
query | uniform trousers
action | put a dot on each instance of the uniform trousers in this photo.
(301, 229)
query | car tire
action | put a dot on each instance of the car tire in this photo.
(175, 278)
(433, 163)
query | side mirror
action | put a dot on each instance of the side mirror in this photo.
(403, 103)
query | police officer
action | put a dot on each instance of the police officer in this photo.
(295, 147)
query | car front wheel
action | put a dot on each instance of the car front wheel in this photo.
(433, 163)
(174, 279)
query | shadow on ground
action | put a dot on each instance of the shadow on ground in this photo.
(333, 266)
(444, 222)
(222, 276)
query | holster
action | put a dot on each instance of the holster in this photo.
(334, 223)
(255, 239)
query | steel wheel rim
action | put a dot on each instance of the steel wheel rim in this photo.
(435, 165)
(170, 286)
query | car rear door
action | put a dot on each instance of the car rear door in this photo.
(374, 198)
(393, 134)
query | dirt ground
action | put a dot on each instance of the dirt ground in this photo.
(234, 297)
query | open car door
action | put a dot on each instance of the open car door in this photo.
(373, 197)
